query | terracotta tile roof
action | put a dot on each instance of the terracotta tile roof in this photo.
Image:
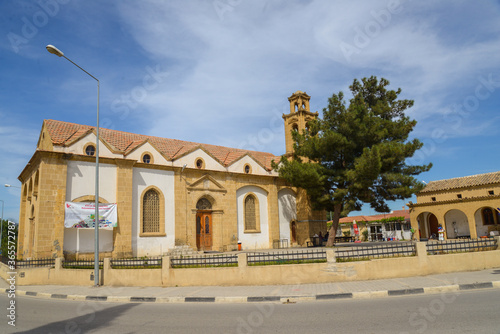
(64, 133)
(395, 213)
(462, 182)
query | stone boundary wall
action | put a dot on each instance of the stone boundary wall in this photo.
(331, 271)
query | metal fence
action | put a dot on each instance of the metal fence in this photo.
(81, 264)
(286, 257)
(361, 253)
(280, 243)
(137, 263)
(5, 260)
(461, 245)
(202, 261)
(33, 263)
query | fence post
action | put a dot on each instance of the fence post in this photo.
(330, 255)
(421, 253)
(59, 262)
(497, 238)
(242, 260)
(165, 270)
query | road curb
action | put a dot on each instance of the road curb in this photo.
(260, 299)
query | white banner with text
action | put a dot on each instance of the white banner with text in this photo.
(82, 215)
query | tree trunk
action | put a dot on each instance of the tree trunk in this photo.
(333, 230)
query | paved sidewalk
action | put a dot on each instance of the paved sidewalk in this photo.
(489, 278)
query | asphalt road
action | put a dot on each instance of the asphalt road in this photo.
(475, 311)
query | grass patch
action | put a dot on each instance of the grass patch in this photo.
(206, 266)
(353, 259)
(279, 262)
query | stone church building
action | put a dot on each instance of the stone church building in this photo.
(168, 192)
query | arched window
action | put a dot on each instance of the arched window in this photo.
(488, 217)
(203, 204)
(152, 213)
(251, 213)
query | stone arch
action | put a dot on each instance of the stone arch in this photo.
(159, 211)
(25, 192)
(30, 189)
(251, 213)
(205, 202)
(35, 186)
(427, 225)
(487, 219)
(256, 186)
(456, 224)
(89, 198)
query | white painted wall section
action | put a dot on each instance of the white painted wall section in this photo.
(80, 181)
(158, 159)
(190, 161)
(253, 240)
(78, 147)
(163, 180)
(287, 208)
(239, 166)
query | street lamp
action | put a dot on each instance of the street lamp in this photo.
(9, 186)
(52, 49)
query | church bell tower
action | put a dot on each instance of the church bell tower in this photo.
(298, 117)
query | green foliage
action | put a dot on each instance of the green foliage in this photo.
(365, 235)
(389, 220)
(357, 152)
(6, 236)
(280, 262)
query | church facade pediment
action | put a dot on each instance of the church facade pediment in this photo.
(206, 183)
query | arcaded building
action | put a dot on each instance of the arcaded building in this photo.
(168, 193)
(466, 207)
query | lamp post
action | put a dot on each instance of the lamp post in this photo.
(52, 49)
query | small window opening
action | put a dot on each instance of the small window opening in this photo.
(433, 199)
(199, 164)
(491, 192)
(146, 158)
(459, 195)
(247, 169)
(90, 150)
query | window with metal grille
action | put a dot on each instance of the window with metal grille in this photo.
(151, 211)
(250, 214)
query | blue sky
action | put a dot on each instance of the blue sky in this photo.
(220, 71)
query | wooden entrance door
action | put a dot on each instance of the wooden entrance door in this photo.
(204, 230)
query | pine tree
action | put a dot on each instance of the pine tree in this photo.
(356, 154)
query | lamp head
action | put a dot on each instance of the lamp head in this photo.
(52, 49)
